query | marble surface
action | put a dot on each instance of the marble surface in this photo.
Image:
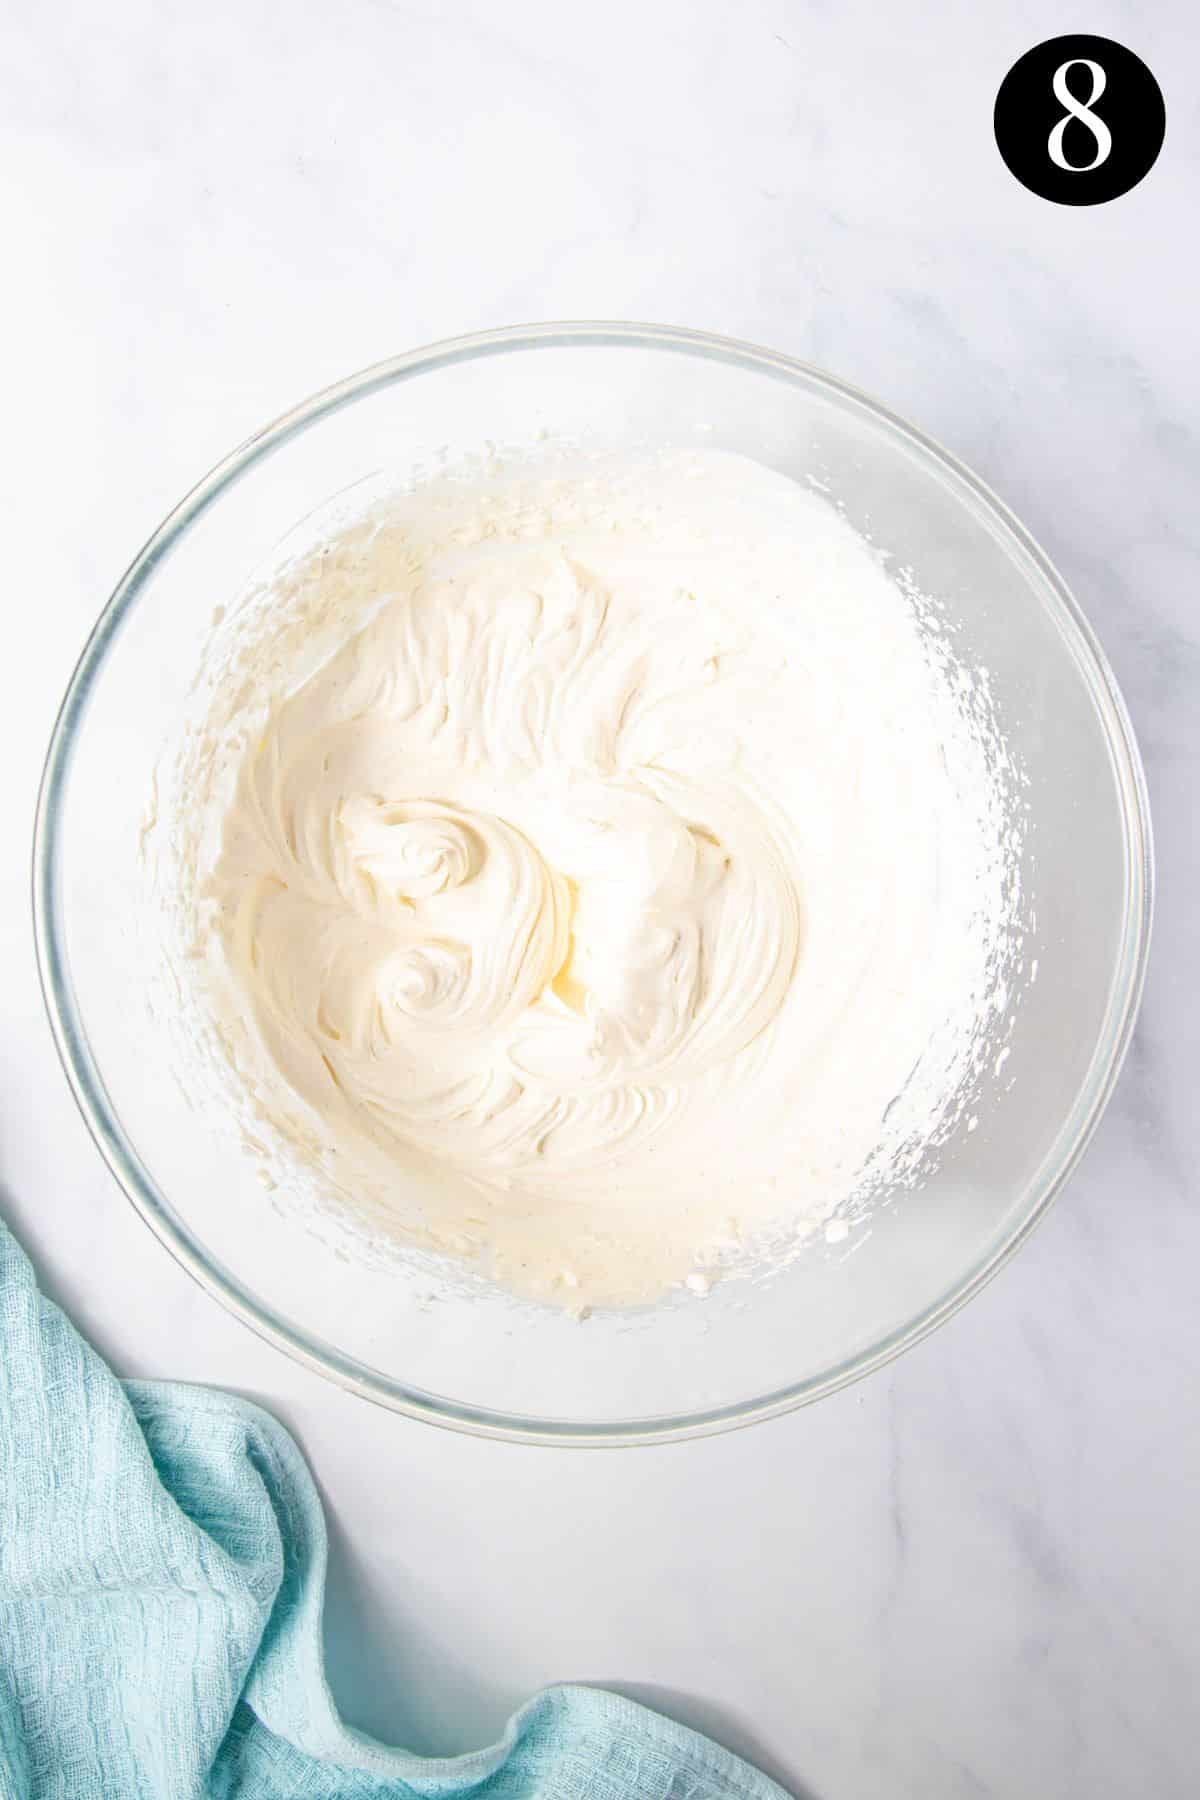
(977, 1572)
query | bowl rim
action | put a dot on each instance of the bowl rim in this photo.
(372, 1384)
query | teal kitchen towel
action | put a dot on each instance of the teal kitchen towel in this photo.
(162, 1567)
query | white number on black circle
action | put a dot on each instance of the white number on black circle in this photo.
(1079, 109)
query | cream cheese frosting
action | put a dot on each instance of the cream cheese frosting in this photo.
(623, 890)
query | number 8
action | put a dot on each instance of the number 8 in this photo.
(1077, 109)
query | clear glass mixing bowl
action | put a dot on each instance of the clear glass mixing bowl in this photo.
(745, 1352)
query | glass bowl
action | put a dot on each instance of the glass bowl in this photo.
(746, 1351)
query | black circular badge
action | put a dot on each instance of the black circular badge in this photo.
(1079, 120)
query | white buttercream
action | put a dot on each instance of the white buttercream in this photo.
(626, 886)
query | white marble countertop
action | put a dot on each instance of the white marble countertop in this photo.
(976, 1573)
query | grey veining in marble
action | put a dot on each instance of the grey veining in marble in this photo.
(976, 1573)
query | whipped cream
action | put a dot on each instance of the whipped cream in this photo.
(619, 887)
